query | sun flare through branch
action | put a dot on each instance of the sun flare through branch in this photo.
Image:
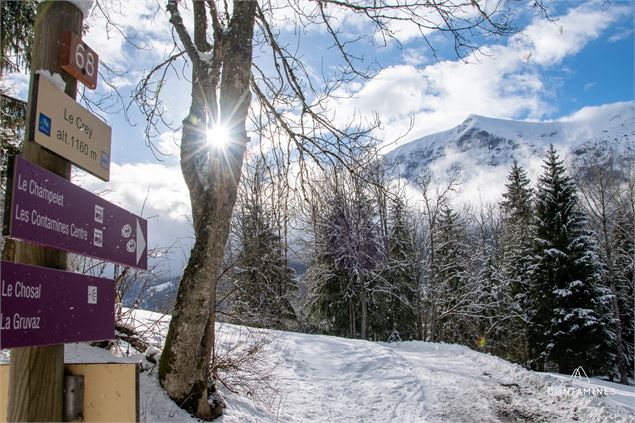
(217, 136)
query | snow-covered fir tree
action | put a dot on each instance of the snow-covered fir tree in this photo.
(568, 309)
(450, 294)
(490, 300)
(399, 303)
(517, 213)
(264, 283)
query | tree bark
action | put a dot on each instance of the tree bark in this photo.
(212, 175)
(608, 250)
(615, 305)
(363, 325)
(36, 374)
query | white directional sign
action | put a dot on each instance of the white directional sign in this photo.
(65, 127)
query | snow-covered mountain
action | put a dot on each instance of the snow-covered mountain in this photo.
(484, 147)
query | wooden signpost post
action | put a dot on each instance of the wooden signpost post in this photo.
(41, 303)
(36, 375)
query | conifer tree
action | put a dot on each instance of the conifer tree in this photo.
(450, 284)
(17, 19)
(490, 304)
(329, 299)
(265, 283)
(399, 302)
(568, 310)
(517, 213)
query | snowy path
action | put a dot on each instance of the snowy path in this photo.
(463, 388)
(330, 379)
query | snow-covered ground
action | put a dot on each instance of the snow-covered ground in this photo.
(312, 378)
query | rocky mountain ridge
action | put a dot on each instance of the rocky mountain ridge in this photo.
(483, 144)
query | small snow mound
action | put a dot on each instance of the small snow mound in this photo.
(152, 354)
(83, 5)
(150, 358)
(56, 79)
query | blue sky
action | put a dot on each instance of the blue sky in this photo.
(601, 73)
(548, 71)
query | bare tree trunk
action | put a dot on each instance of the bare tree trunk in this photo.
(608, 250)
(363, 300)
(351, 325)
(433, 327)
(600, 192)
(184, 366)
(212, 175)
(619, 338)
(423, 327)
(353, 318)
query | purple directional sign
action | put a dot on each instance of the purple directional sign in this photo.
(42, 306)
(49, 210)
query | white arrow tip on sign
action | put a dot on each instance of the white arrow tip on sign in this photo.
(141, 242)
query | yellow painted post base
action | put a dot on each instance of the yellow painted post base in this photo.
(111, 391)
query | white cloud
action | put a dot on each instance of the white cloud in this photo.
(170, 144)
(156, 192)
(621, 35)
(140, 22)
(17, 85)
(551, 42)
(600, 113)
(589, 86)
(504, 81)
(406, 93)
(415, 57)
